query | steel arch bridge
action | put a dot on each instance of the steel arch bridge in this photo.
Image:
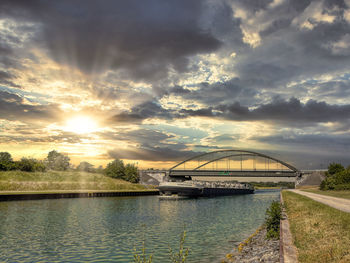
(233, 163)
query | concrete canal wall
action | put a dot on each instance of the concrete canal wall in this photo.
(87, 194)
(288, 252)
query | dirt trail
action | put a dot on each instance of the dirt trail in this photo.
(338, 203)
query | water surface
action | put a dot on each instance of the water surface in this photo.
(107, 229)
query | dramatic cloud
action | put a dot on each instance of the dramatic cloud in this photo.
(149, 109)
(292, 111)
(14, 107)
(152, 145)
(164, 79)
(145, 39)
(151, 153)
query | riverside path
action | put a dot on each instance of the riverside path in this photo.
(335, 202)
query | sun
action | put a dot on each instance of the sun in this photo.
(81, 125)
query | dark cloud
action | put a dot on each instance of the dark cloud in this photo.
(218, 92)
(254, 5)
(34, 138)
(148, 109)
(288, 53)
(275, 26)
(120, 43)
(5, 76)
(225, 138)
(6, 79)
(141, 136)
(151, 145)
(291, 111)
(13, 107)
(322, 141)
(332, 90)
(151, 153)
(310, 151)
(179, 90)
(145, 39)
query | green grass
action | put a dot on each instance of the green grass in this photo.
(267, 187)
(320, 233)
(67, 180)
(334, 193)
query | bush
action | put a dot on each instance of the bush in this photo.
(131, 173)
(272, 220)
(337, 178)
(334, 168)
(342, 187)
(30, 165)
(116, 169)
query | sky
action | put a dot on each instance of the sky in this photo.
(154, 82)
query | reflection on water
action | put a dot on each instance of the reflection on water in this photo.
(107, 229)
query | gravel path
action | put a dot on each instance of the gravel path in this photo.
(338, 203)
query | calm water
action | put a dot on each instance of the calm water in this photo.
(107, 229)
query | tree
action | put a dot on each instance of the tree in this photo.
(57, 161)
(115, 169)
(85, 167)
(30, 165)
(337, 178)
(131, 173)
(334, 168)
(6, 162)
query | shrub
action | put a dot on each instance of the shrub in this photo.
(272, 220)
(334, 168)
(342, 187)
(338, 178)
(131, 173)
(30, 165)
(116, 169)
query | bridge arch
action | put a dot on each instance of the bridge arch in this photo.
(201, 162)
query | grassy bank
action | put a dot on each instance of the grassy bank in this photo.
(334, 193)
(266, 187)
(67, 180)
(320, 233)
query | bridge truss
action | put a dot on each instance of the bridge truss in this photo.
(233, 163)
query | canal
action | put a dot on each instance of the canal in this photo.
(107, 229)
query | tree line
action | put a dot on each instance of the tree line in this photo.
(60, 162)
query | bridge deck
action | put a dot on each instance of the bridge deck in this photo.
(233, 173)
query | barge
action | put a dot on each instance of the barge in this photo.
(203, 188)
